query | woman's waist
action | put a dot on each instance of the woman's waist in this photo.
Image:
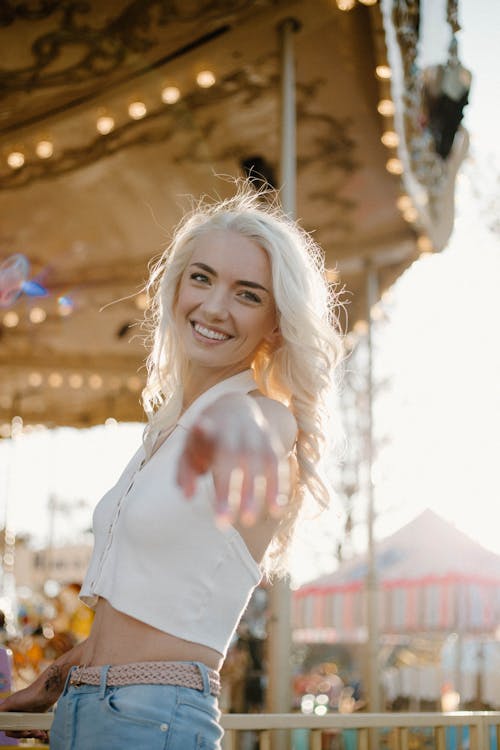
(118, 638)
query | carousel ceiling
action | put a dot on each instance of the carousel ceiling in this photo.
(113, 114)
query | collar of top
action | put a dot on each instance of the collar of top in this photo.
(243, 382)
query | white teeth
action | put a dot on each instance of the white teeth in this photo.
(210, 334)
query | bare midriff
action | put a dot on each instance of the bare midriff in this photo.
(117, 638)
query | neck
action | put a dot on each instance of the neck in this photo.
(198, 381)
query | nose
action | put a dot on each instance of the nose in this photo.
(215, 304)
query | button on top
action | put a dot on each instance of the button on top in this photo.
(163, 727)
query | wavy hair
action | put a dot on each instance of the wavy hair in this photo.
(298, 370)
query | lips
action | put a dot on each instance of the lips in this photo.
(210, 334)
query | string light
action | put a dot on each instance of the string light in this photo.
(332, 275)
(205, 79)
(390, 139)
(361, 327)
(170, 95)
(64, 306)
(15, 159)
(10, 319)
(75, 380)
(55, 380)
(137, 110)
(394, 166)
(134, 383)
(37, 315)
(383, 72)
(404, 202)
(346, 4)
(44, 149)
(386, 107)
(410, 215)
(105, 124)
(95, 381)
(141, 301)
(368, 2)
(35, 379)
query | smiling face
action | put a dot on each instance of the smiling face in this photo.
(225, 308)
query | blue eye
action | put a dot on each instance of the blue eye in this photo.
(198, 276)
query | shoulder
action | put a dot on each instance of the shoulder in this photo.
(281, 419)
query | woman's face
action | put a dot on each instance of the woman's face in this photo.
(225, 307)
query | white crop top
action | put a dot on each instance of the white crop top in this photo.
(160, 557)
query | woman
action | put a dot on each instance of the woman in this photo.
(242, 359)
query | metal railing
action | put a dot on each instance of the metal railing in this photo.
(466, 730)
(477, 730)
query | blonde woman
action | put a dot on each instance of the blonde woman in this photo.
(244, 346)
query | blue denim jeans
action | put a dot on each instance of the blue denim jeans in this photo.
(136, 717)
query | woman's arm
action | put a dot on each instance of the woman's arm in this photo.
(46, 689)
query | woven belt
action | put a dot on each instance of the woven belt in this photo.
(147, 673)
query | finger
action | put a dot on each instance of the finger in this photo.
(199, 448)
(258, 498)
(247, 511)
(23, 734)
(277, 492)
(228, 483)
(196, 457)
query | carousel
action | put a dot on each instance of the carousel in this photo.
(114, 114)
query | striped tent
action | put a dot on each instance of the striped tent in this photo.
(432, 579)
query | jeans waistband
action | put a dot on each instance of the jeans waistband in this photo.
(183, 674)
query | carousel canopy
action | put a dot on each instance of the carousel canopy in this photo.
(113, 113)
(432, 579)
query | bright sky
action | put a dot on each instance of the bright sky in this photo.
(439, 344)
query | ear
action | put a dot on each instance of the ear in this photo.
(274, 337)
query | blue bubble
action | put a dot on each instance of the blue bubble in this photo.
(34, 289)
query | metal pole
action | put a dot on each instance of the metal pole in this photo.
(371, 575)
(288, 117)
(279, 630)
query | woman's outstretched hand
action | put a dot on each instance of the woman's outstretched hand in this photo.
(235, 439)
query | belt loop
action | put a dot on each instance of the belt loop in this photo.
(102, 684)
(66, 681)
(204, 676)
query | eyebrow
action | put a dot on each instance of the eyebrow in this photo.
(240, 282)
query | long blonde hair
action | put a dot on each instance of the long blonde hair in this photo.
(298, 371)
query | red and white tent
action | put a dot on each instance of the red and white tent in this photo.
(432, 579)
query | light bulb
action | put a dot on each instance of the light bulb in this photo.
(404, 202)
(386, 107)
(75, 380)
(10, 319)
(394, 166)
(95, 381)
(137, 110)
(205, 79)
(55, 380)
(105, 124)
(170, 95)
(37, 315)
(390, 139)
(44, 149)
(383, 72)
(15, 159)
(35, 379)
